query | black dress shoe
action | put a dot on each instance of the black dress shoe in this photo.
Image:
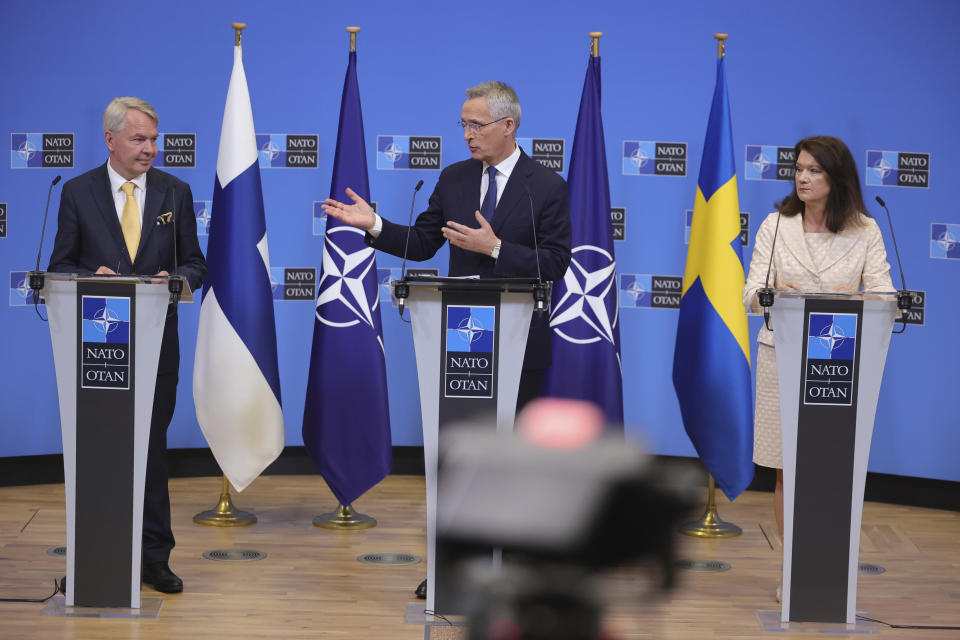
(161, 578)
(421, 591)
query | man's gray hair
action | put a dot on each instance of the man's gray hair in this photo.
(501, 99)
(115, 115)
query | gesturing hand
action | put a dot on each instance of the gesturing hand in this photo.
(481, 240)
(359, 214)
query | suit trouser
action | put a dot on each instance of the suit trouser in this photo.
(158, 538)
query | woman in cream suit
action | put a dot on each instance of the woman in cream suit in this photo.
(826, 241)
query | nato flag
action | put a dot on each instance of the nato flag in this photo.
(346, 421)
(584, 329)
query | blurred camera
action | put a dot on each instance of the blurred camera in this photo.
(527, 520)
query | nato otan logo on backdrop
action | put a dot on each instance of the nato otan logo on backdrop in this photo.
(202, 210)
(409, 152)
(293, 283)
(176, 150)
(945, 241)
(319, 217)
(831, 351)
(744, 226)
(769, 162)
(41, 150)
(21, 295)
(3, 219)
(898, 169)
(645, 158)
(618, 216)
(642, 290)
(287, 150)
(917, 311)
(468, 360)
(546, 151)
(105, 329)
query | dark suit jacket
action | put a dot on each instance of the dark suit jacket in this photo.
(89, 235)
(457, 197)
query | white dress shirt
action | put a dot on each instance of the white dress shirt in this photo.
(119, 197)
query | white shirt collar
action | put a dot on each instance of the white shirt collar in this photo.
(507, 164)
(116, 180)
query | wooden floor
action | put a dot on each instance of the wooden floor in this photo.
(312, 586)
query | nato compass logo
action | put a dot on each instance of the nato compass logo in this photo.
(641, 290)
(21, 295)
(41, 150)
(105, 355)
(347, 297)
(3, 219)
(385, 278)
(831, 350)
(287, 151)
(898, 169)
(644, 158)
(744, 226)
(293, 283)
(202, 210)
(176, 150)
(468, 360)
(767, 162)
(618, 218)
(587, 310)
(945, 241)
(320, 218)
(546, 151)
(917, 311)
(408, 152)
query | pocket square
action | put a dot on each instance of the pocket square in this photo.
(165, 218)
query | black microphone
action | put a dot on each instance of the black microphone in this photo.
(36, 278)
(904, 301)
(765, 295)
(401, 289)
(174, 281)
(540, 291)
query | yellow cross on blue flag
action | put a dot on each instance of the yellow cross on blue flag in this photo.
(711, 361)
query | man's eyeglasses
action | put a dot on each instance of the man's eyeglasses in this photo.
(474, 127)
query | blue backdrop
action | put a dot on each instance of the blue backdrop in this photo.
(880, 74)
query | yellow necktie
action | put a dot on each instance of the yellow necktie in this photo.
(130, 221)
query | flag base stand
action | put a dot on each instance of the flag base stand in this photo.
(710, 525)
(344, 518)
(225, 514)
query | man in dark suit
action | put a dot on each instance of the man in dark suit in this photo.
(100, 230)
(490, 230)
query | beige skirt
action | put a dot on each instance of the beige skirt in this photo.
(767, 451)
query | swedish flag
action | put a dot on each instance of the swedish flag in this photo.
(711, 361)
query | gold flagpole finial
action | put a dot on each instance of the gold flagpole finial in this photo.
(595, 43)
(721, 50)
(353, 31)
(238, 27)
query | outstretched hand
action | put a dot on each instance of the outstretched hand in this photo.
(481, 240)
(359, 214)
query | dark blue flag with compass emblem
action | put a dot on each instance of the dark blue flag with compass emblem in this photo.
(584, 327)
(346, 420)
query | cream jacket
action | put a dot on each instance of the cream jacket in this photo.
(857, 261)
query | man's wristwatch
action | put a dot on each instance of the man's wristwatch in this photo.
(495, 252)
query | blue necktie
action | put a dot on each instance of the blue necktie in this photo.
(490, 200)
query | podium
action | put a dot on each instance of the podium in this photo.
(106, 333)
(470, 336)
(830, 350)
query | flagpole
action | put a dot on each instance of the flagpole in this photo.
(225, 514)
(344, 517)
(595, 43)
(710, 525)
